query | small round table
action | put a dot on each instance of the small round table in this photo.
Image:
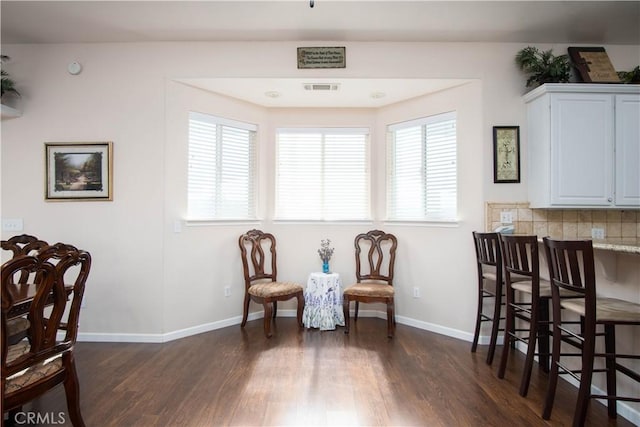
(323, 302)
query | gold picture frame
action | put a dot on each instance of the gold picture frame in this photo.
(506, 154)
(79, 171)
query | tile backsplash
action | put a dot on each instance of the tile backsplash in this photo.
(618, 225)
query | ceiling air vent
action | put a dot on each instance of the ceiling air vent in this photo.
(321, 86)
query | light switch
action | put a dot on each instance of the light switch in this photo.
(12, 224)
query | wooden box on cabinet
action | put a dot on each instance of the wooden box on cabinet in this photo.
(584, 145)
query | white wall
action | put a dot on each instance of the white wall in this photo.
(149, 281)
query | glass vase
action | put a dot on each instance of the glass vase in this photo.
(325, 267)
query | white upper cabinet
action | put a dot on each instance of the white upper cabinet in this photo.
(627, 133)
(584, 145)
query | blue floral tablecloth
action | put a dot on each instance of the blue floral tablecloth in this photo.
(323, 302)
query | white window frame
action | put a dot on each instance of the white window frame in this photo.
(321, 213)
(221, 187)
(420, 214)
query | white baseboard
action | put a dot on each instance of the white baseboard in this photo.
(624, 409)
(170, 336)
(207, 327)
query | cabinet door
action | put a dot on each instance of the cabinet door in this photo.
(627, 150)
(582, 149)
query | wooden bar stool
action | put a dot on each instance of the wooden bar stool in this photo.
(571, 267)
(521, 261)
(490, 286)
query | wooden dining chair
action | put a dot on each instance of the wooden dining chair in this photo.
(258, 252)
(571, 269)
(35, 365)
(375, 260)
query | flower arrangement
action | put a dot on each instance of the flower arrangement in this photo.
(325, 250)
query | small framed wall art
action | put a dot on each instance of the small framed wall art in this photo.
(79, 171)
(506, 154)
(593, 64)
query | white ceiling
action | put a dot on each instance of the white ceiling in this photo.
(566, 22)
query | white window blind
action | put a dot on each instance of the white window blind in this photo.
(422, 172)
(222, 163)
(322, 174)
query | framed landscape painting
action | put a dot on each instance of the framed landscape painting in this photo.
(79, 171)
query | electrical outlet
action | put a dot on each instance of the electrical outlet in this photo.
(416, 292)
(506, 217)
(15, 224)
(597, 233)
(227, 291)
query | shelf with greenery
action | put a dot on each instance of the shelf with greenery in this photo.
(8, 90)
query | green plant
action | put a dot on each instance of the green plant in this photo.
(632, 76)
(543, 66)
(8, 86)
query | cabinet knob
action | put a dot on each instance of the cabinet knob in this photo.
(609, 199)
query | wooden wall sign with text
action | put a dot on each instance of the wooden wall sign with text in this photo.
(593, 64)
(321, 57)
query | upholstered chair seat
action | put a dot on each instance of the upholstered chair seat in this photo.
(492, 276)
(607, 309)
(274, 289)
(376, 290)
(32, 374)
(545, 288)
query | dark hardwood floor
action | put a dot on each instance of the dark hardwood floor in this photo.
(305, 378)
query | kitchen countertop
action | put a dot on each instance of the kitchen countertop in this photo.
(617, 246)
(613, 245)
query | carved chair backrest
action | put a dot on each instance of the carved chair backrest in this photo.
(375, 256)
(23, 244)
(258, 250)
(73, 266)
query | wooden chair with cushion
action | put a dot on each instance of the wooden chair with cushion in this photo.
(490, 286)
(375, 260)
(571, 268)
(527, 300)
(24, 244)
(258, 250)
(32, 367)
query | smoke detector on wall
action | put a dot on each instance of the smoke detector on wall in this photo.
(321, 86)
